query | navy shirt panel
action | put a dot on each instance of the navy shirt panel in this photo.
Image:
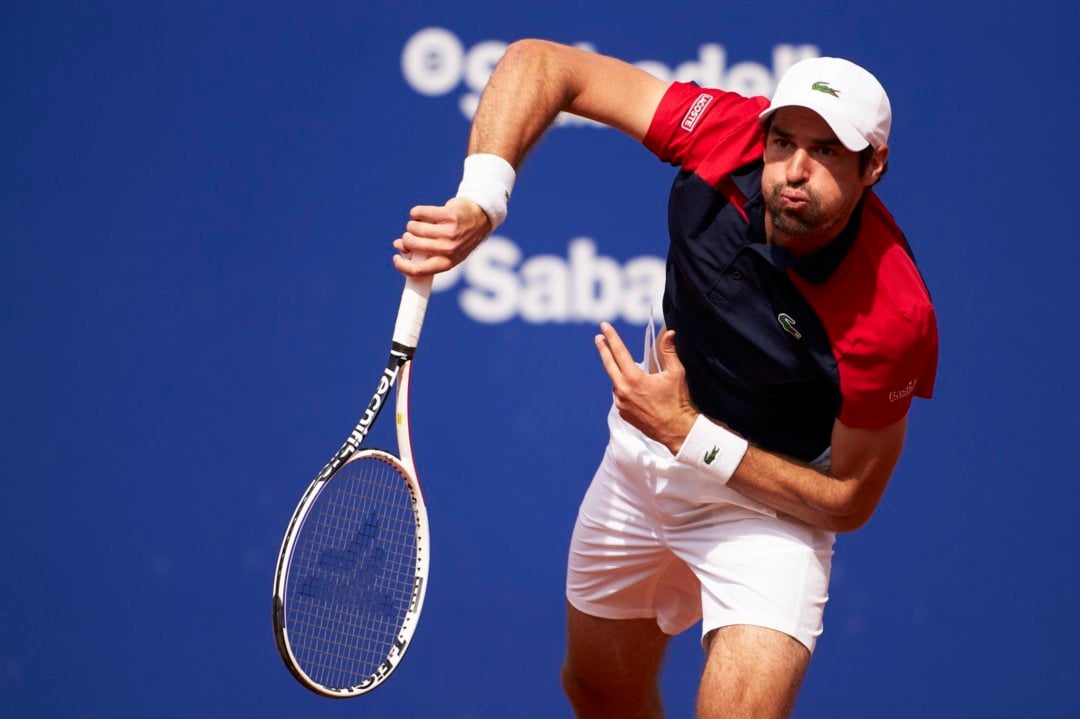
(723, 296)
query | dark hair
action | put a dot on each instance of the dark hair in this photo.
(864, 161)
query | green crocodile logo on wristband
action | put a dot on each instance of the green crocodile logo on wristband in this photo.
(711, 455)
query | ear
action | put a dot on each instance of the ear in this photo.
(876, 166)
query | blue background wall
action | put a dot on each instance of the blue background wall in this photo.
(196, 208)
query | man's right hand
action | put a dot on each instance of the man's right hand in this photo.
(533, 82)
(444, 235)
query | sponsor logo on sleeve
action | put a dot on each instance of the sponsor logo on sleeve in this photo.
(696, 111)
(898, 395)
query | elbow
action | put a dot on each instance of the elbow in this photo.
(528, 44)
(855, 503)
(526, 58)
(527, 51)
(846, 523)
(541, 63)
(849, 518)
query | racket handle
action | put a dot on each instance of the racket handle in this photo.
(414, 302)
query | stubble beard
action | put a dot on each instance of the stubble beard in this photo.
(810, 220)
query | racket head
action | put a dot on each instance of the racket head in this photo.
(351, 585)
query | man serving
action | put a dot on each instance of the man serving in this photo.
(773, 408)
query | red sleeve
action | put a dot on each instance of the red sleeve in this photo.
(880, 320)
(710, 132)
(878, 386)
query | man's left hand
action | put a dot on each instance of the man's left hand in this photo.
(657, 404)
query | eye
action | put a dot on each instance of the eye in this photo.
(826, 151)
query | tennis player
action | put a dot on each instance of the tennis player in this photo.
(772, 410)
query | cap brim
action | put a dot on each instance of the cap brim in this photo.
(845, 132)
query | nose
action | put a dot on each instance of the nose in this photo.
(797, 168)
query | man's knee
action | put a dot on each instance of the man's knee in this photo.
(600, 692)
(612, 665)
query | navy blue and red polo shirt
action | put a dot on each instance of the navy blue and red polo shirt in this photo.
(775, 345)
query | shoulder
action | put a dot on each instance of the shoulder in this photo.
(881, 254)
(705, 129)
(889, 305)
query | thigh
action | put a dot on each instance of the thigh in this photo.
(757, 570)
(612, 665)
(619, 566)
(751, 672)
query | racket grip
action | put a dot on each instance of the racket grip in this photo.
(414, 300)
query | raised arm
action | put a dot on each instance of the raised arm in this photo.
(536, 79)
(533, 82)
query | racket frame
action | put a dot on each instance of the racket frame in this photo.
(398, 372)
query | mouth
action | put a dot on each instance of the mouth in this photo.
(793, 199)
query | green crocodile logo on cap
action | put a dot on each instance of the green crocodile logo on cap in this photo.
(824, 87)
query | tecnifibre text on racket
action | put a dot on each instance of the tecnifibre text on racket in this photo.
(353, 567)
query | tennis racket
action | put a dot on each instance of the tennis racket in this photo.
(353, 567)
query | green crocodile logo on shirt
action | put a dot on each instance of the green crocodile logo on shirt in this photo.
(788, 323)
(824, 87)
(711, 455)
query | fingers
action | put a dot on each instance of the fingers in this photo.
(429, 230)
(610, 365)
(420, 268)
(409, 243)
(617, 360)
(445, 235)
(443, 227)
(457, 216)
(669, 358)
(431, 213)
(619, 353)
(428, 235)
(412, 249)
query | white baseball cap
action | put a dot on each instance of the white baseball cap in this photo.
(846, 96)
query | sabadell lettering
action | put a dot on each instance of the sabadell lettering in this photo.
(435, 62)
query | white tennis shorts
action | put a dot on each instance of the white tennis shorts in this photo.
(656, 539)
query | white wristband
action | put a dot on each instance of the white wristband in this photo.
(711, 449)
(488, 181)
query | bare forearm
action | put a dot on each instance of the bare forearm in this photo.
(527, 90)
(812, 496)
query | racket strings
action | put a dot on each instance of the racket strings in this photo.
(353, 574)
